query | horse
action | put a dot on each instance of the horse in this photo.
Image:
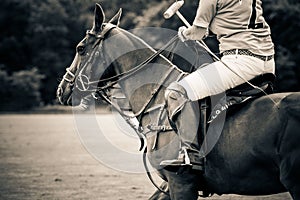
(257, 152)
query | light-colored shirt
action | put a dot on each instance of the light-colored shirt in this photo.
(238, 24)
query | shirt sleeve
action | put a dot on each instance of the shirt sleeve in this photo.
(206, 11)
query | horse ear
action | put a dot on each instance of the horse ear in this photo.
(99, 18)
(116, 19)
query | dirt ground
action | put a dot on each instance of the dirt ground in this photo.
(42, 157)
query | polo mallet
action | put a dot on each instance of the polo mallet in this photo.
(174, 9)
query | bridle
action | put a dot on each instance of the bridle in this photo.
(80, 80)
(70, 81)
(84, 84)
(110, 82)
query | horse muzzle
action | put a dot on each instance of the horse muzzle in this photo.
(61, 97)
(64, 96)
(67, 97)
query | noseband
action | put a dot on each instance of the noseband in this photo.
(71, 81)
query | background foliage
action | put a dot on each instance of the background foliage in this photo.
(38, 39)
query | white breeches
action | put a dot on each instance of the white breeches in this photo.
(216, 78)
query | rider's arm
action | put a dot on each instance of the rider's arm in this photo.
(206, 11)
(194, 33)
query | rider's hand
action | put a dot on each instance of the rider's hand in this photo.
(180, 33)
(191, 33)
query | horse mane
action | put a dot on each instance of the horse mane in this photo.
(140, 41)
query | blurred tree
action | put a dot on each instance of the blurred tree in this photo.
(55, 27)
(287, 79)
(14, 16)
(20, 91)
(284, 19)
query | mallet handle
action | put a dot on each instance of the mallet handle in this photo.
(183, 19)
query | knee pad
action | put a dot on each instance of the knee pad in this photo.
(176, 98)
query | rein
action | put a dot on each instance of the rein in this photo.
(110, 82)
(89, 86)
(127, 74)
(139, 130)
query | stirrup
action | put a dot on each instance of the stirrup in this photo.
(184, 160)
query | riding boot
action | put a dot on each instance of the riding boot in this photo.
(184, 116)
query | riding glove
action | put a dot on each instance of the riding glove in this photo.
(191, 33)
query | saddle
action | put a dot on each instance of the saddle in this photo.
(264, 81)
(235, 96)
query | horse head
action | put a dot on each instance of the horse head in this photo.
(90, 61)
(106, 53)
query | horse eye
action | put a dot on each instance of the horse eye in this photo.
(80, 50)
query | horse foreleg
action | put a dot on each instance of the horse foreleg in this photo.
(290, 174)
(183, 185)
(295, 192)
(159, 195)
(290, 158)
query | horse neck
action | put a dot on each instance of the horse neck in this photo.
(145, 87)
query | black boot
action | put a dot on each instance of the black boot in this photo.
(184, 115)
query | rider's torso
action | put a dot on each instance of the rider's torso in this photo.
(238, 24)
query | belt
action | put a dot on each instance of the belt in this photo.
(246, 53)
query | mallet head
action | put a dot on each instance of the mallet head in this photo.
(173, 9)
